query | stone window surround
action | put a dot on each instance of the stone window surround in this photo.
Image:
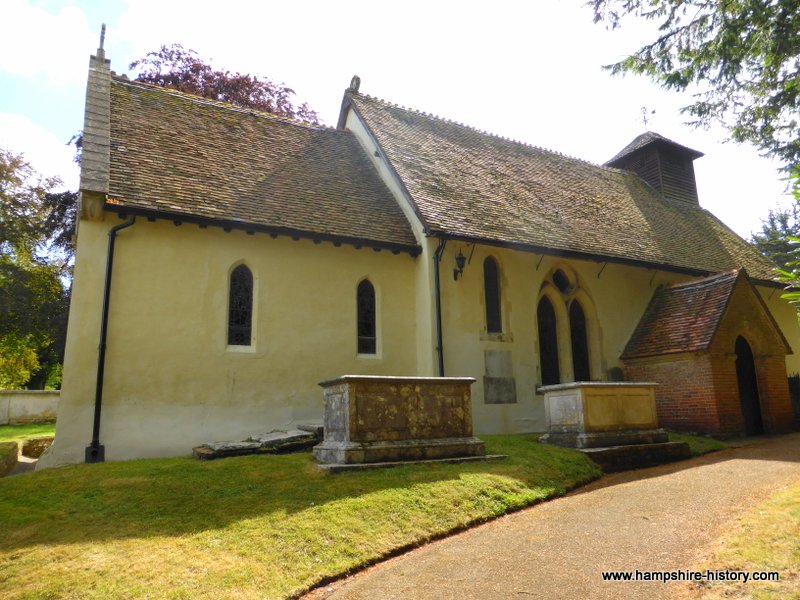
(251, 347)
(561, 302)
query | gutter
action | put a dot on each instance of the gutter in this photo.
(95, 451)
(437, 258)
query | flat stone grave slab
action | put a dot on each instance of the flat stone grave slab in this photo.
(265, 443)
(637, 456)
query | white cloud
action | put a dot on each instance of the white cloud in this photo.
(34, 42)
(41, 149)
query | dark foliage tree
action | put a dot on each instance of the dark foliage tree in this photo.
(183, 70)
(742, 57)
(773, 239)
(57, 228)
(33, 299)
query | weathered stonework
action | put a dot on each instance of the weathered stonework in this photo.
(593, 414)
(8, 457)
(377, 419)
(35, 447)
(264, 443)
(613, 423)
(28, 406)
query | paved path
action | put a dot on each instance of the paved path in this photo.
(663, 518)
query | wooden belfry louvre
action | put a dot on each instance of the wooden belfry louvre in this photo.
(718, 355)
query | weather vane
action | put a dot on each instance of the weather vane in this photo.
(645, 112)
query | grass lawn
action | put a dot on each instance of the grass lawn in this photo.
(765, 539)
(248, 527)
(697, 444)
(18, 433)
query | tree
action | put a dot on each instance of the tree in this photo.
(773, 239)
(743, 56)
(33, 299)
(183, 70)
(790, 274)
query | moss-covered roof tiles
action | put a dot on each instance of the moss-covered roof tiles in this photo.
(469, 184)
(682, 317)
(180, 155)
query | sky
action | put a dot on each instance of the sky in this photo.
(529, 71)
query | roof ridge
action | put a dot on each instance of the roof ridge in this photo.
(486, 133)
(125, 80)
(707, 281)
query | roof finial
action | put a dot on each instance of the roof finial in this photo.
(355, 83)
(101, 54)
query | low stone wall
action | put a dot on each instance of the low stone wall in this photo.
(372, 419)
(28, 406)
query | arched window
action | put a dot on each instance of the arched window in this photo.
(240, 307)
(580, 345)
(561, 281)
(548, 342)
(365, 303)
(491, 290)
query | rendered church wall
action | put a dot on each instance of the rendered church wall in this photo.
(613, 296)
(785, 316)
(427, 361)
(171, 380)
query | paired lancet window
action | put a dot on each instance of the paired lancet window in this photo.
(240, 307)
(367, 338)
(491, 290)
(580, 345)
(548, 342)
(548, 317)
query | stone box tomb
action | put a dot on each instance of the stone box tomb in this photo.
(370, 419)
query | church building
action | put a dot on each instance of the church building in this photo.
(229, 260)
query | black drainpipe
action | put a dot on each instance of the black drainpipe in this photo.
(96, 452)
(437, 258)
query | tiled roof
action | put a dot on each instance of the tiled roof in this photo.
(469, 184)
(180, 155)
(651, 137)
(682, 317)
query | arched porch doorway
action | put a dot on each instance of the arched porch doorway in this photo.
(748, 388)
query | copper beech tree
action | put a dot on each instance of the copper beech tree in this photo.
(180, 69)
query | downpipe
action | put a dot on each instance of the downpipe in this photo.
(95, 451)
(437, 258)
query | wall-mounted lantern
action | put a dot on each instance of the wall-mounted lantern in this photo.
(461, 260)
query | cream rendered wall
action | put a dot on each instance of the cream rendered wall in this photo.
(619, 295)
(427, 358)
(785, 315)
(171, 381)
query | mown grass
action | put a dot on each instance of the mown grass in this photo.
(260, 526)
(698, 444)
(765, 539)
(18, 433)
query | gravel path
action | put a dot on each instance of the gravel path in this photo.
(663, 518)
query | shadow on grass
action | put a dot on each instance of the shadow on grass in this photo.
(183, 496)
